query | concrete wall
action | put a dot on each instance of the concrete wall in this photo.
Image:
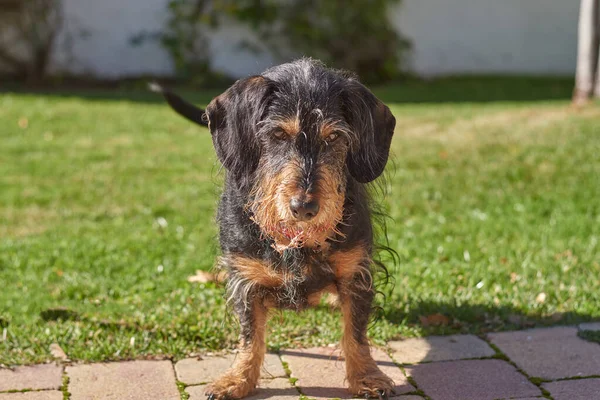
(106, 51)
(449, 37)
(489, 36)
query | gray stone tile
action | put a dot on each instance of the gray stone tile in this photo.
(193, 371)
(577, 389)
(526, 398)
(550, 353)
(43, 395)
(132, 380)
(44, 376)
(276, 389)
(273, 367)
(321, 372)
(471, 380)
(590, 326)
(439, 348)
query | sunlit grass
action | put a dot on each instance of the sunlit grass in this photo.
(107, 206)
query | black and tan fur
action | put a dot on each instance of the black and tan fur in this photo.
(299, 143)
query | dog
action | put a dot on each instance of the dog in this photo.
(299, 143)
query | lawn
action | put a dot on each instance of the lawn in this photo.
(107, 202)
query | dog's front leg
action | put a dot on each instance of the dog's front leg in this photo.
(243, 376)
(363, 376)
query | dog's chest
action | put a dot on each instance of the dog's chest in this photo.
(304, 282)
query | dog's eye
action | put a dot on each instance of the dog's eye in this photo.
(280, 135)
(332, 137)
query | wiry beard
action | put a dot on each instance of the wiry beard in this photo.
(269, 206)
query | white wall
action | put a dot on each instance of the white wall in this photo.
(106, 51)
(449, 37)
(489, 36)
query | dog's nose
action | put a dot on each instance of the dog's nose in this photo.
(303, 210)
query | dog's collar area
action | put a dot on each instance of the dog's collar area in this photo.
(317, 248)
(286, 238)
(315, 239)
(292, 233)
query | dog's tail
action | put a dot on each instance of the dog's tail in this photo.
(182, 107)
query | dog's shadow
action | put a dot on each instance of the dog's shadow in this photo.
(477, 319)
(430, 317)
(274, 393)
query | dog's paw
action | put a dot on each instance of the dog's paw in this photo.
(229, 387)
(372, 385)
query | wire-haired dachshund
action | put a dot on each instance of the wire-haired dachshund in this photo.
(298, 144)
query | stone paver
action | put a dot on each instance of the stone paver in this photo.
(577, 389)
(272, 367)
(132, 380)
(193, 371)
(471, 380)
(443, 367)
(273, 389)
(43, 395)
(550, 353)
(439, 348)
(590, 326)
(44, 376)
(321, 372)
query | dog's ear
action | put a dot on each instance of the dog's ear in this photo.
(233, 118)
(373, 124)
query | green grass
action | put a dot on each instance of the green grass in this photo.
(592, 336)
(494, 193)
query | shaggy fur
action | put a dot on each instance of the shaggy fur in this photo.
(298, 143)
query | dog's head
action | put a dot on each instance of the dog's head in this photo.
(292, 138)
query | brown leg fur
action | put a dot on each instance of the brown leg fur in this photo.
(242, 378)
(362, 373)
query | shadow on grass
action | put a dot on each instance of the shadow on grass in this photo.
(591, 336)
(444, 318)
(465, 89)
(59, 314)
(139, 94)
(482, 89)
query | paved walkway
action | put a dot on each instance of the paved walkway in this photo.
(533, 364)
